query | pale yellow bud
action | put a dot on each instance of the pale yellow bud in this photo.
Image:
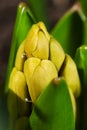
(57, 54)
(39, 60)
(17, 94)
(41, 75)
(43, 28)
(20, 57)
(30, 66)
(37, 42)
(70, 73)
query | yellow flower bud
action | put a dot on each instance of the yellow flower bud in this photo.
(20, 57)
(40, 45)
(37, 42)
(38, 73)
(40, 59)
(17, 94)
(69, 71)
(57, 54)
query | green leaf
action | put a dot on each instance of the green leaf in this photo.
(84, 5)
(85, 32)
(39, 10)
(70, 29)
(24, 21)
(53, 109)
(81, 62)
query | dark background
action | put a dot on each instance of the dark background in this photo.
(8, 8)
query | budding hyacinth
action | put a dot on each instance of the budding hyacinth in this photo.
(42, 64)
(39, 60)
(46, 60)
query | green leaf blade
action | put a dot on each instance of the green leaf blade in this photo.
(23, 23)
(53, 109)
(39, 9)
(69, 30)
(84, 5)
(81, 62)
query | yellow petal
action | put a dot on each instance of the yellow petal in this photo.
(70, 73)
(31, 40)
(20, 57)
(43, 28)
(17, 94)
(30, 66)
(42, 50)
(37, 42)
(57, 54)
(42, 76)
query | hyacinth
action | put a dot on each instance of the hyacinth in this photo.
(39, 60)
(46, 60)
